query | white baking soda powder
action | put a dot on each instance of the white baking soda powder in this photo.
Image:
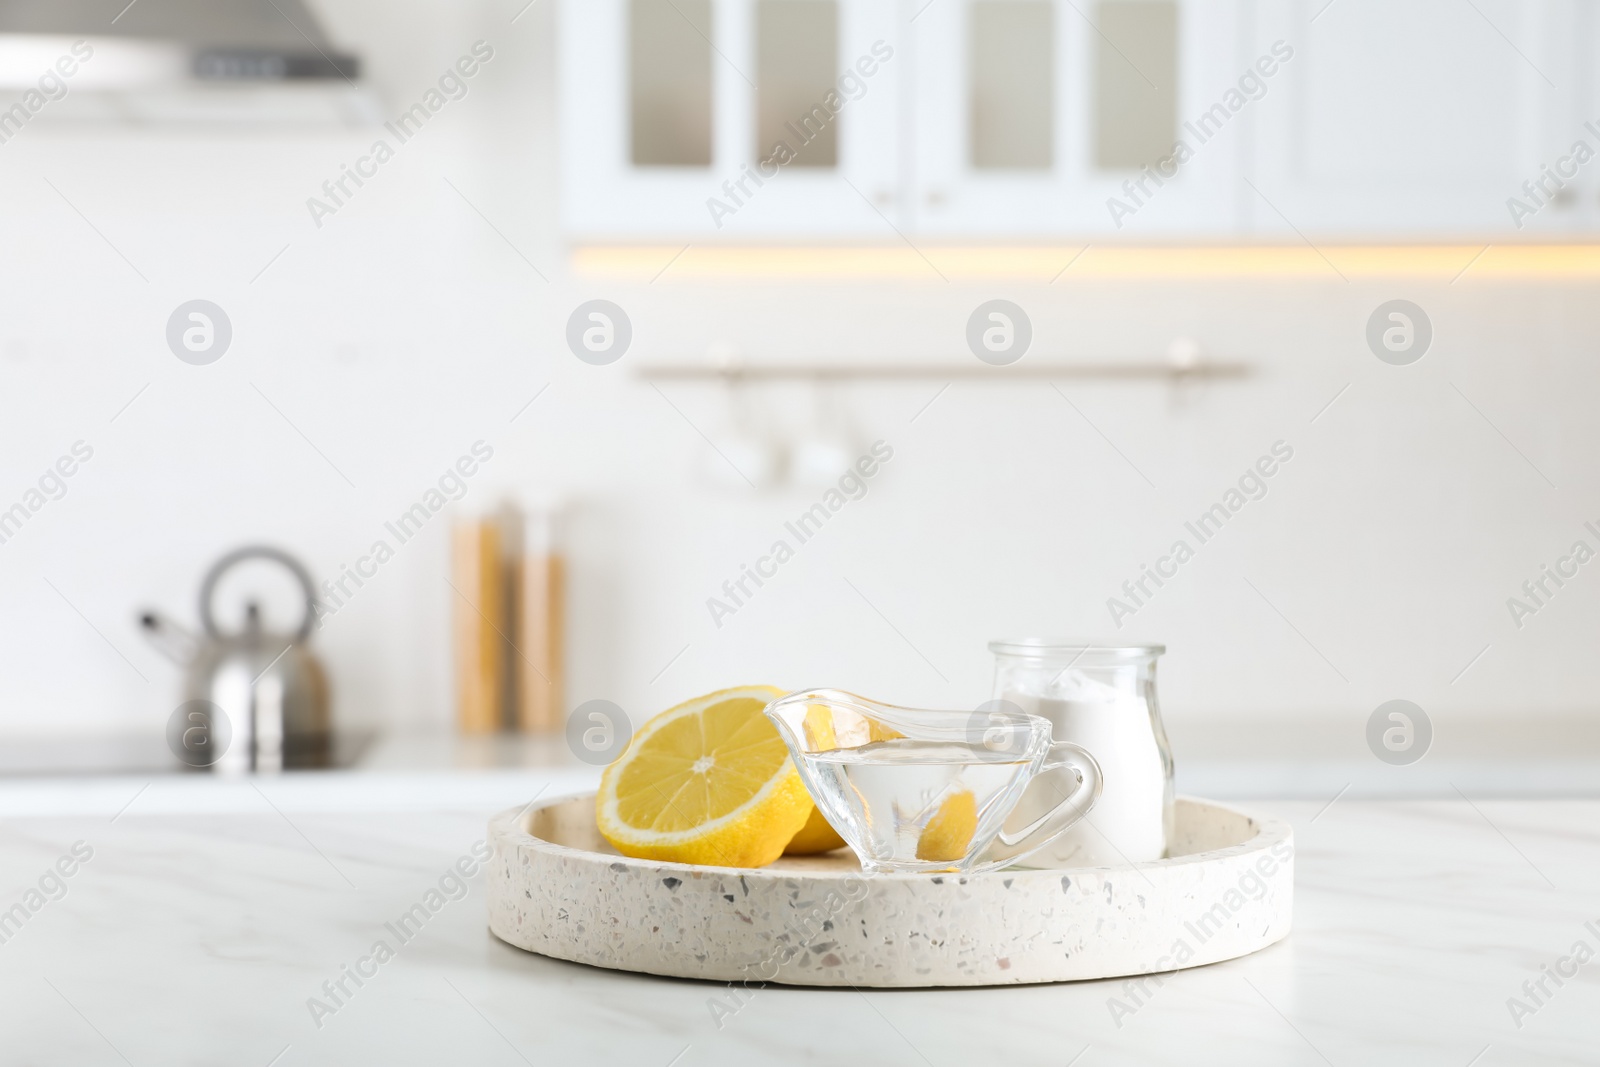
(1127, 824)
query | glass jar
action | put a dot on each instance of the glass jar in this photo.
(1104, 700)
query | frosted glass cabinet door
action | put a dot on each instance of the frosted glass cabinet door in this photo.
(1418, 119)
(1049, 117)
(707, 119)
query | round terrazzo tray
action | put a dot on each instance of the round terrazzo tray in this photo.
(556, 887)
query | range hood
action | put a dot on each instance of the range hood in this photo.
(177, 60)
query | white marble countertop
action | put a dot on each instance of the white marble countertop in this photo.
(210, 912)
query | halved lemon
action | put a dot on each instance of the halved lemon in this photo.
(709, 781)
(947, 835)
(817, 835)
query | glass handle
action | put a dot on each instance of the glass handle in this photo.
(1066, 786)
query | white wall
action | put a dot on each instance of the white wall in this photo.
(405, 329)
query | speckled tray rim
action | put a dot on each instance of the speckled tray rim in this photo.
(1269, 920)
(1270, 830)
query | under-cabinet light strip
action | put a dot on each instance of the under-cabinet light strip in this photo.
(1456, 262)
(944, 370)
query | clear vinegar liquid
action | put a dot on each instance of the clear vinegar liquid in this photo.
(896, 787)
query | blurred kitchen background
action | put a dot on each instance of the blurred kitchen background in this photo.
(1340, 155)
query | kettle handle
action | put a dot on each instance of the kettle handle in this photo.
(226, 563)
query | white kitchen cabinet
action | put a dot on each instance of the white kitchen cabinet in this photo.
(1415, 120)
(1107, 120)
(662, 141)
(1579, 200)
(1093, 92)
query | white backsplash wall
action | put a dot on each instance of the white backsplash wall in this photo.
(406, 329)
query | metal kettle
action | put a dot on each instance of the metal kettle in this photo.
(253, 700)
